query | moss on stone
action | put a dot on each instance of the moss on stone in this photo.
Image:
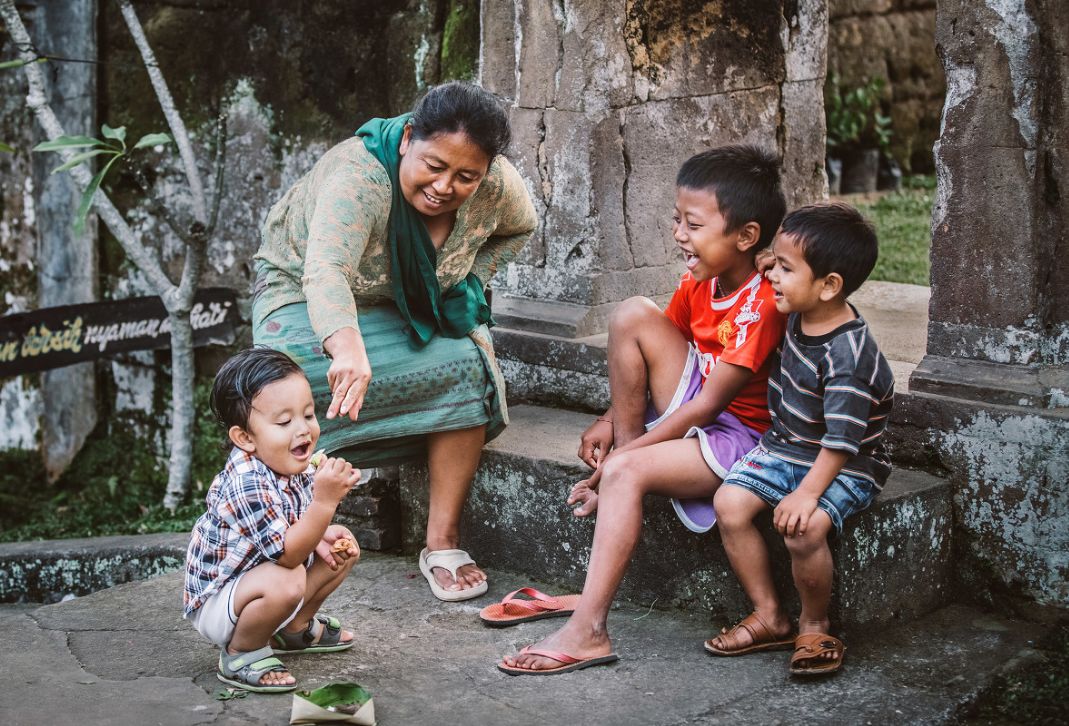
(460, 41)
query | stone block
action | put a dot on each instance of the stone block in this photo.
(677, 52)
(527, 154)
(1007, 466)
(990, 262)
(660, 135)
(554, 371)
(49, 571)
(537, 31)
(497, 25)
(372, 511)
(891, 562)
(595, 71)
(803, 133)
(807, 42)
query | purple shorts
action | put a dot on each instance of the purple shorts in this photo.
(723, 442)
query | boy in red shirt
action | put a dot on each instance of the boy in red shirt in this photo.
(688, 387)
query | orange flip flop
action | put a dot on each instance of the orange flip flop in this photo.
(567, 662)
(512, 609)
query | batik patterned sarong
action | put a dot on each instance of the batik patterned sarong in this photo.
(449, 384)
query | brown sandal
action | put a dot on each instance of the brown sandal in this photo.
(808, 651)
(760, 633)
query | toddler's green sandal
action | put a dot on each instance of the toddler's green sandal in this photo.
(329, 640)
(244, 670)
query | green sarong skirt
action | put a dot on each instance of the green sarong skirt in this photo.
(449, 384)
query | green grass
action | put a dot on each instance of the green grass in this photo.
(115, 484)
(902, 221)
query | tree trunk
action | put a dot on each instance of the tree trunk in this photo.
(180, 464)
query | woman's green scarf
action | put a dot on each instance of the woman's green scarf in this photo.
(413, 258)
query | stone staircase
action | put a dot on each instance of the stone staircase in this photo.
(893, 562)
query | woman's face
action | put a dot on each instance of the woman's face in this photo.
(439, 173)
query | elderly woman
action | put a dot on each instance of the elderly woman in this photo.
(371, 276)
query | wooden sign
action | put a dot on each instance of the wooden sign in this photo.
(59, 336)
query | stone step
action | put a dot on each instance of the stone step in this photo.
(892, 562)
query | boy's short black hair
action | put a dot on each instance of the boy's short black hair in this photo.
(243, 376)
(834, 237)
(746, 181)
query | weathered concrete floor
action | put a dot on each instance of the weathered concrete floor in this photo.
(124, 656)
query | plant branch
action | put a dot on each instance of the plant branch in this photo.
(174, 120)
(139, 254)
(158, 207)
(220, 171)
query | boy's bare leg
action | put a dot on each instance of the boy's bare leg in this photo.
(813, 571)
(672, 468)
(320, 582)
(264, 597)
(646, 354)
(452, 458)
(736, 509)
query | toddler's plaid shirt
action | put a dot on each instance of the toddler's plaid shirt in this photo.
(250, 508)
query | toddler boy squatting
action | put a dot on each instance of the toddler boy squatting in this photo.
(264, 556)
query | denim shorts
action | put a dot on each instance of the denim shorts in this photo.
(772, 478)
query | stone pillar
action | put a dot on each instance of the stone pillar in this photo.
(67, 260)
(608, 98)
(995, 380)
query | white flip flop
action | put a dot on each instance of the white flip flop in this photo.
(451, 561)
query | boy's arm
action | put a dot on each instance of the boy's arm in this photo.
(791, 516)
(333, 480)
(305, 534)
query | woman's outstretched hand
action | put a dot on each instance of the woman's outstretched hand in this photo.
(349, 373)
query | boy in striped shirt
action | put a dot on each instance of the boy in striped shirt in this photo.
(822, 460)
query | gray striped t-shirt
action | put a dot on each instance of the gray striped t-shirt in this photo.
(833, 391)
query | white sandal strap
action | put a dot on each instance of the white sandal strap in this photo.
(450, 560)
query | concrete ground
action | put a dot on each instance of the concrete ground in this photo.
(124, 656)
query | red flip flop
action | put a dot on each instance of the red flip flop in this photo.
(568, 663)
(512, 609)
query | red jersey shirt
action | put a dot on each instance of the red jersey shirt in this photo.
(743, 328)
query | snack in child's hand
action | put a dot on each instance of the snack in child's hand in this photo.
(342, 545)
(317, 458)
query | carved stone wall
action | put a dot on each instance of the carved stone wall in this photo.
(608, 98)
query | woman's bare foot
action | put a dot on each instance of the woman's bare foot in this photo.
(580, 642)
(468, 576)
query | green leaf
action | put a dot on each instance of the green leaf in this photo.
(5, 147)
(87, 196)
(113, 485)
(68, 142)
(118, 134)
(79, 158)
(153, 140)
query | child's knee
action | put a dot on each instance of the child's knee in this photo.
(621, 474)
(631, 312)
(813, 539)
(733, 507)
(291, 584)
